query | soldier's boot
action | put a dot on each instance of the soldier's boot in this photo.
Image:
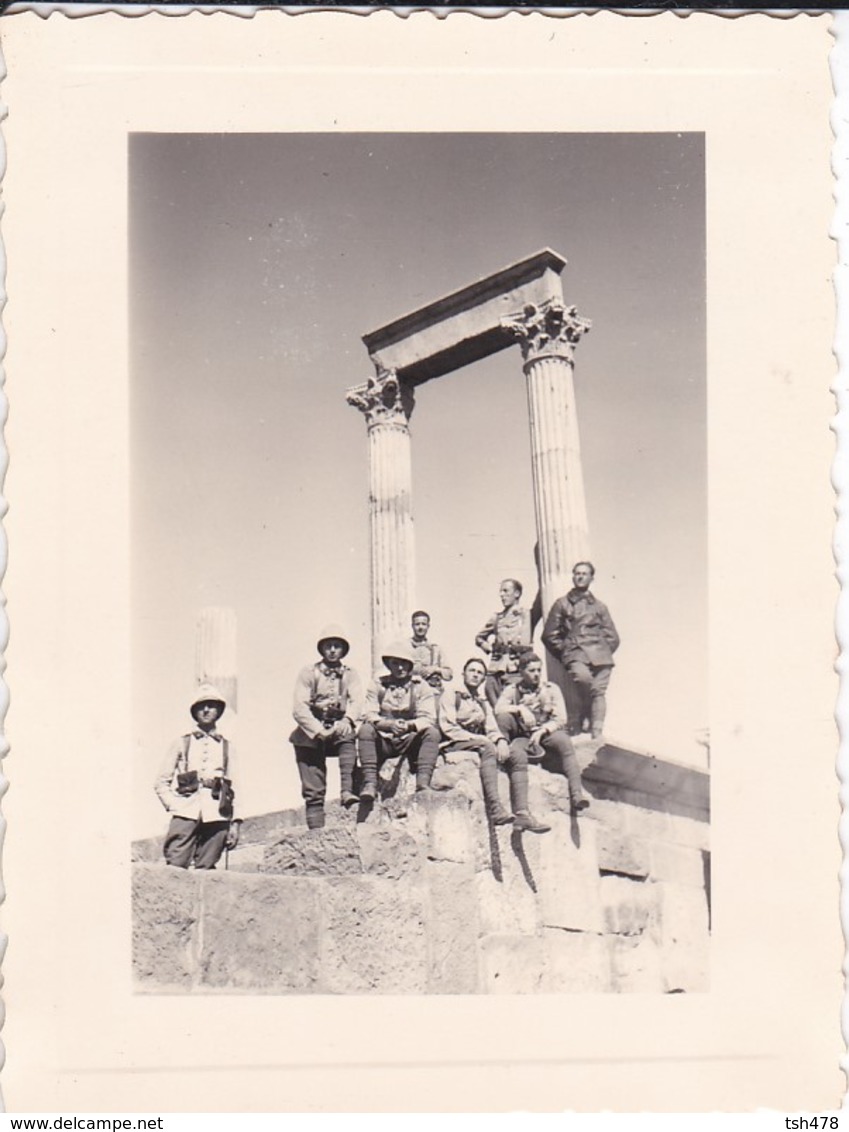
(525, 822)
(498, 815)
(347, 760)
(598, 710)
(315, 817)
(495, 812)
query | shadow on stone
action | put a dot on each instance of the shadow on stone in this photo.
(574, 830)
(388, 787)
(494, 851)
(519, 850)
(364, 809)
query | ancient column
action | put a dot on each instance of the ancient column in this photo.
(548, 334)
(387, 404)
(215, 651)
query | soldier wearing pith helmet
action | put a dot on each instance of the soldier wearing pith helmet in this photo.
(327, 706)
(197, 785)
(399, 718)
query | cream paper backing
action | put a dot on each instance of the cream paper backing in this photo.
(767, 1033)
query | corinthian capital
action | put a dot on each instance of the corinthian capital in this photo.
(383, 399)
(551, 328)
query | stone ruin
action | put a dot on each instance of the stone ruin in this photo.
(418, 894)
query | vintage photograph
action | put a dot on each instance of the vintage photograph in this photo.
(418, 484)
(421, 585)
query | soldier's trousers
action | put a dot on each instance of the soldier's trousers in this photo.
(589, 695)
(191, 840)
(558, 745)
(312, 767)
(420, 747)
(516, 764)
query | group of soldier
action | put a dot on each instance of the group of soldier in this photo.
(503, 710)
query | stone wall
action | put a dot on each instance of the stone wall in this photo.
(420, 895)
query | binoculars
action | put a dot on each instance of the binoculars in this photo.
(187, 783)
(331, 715)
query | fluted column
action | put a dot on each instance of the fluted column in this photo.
(215, 651)
(548, 335)
(387, 404)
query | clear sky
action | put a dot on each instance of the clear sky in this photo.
(257, 262)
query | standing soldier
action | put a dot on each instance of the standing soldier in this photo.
(468, 724)
(195, 785)
(399, 718)
(580, 633)
(505, 636)
(327, 707)
(533, 717)
(430, 659)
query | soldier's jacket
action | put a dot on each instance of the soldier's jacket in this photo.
(210, 755)
(579, 627)
(464, 716)
(506, 629)
(388, 699)
(545, 702)
(319, 687)
(429, 655)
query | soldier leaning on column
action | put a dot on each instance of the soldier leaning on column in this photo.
(327, 707)
(505, 635)
(579, 631)
(399, 718)
(532, 715)
(196, 786)
(468, 724)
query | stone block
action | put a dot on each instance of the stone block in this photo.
(547, 791)
(652, 825)
(449, 827)
(260, 932)
(246, 858)
(512, 964)
(452, 929)
(506, 907)
(689, 832)
(565, 865)
(460, 771)
(389, 849)
(677, 864)
(147, 851)
(166, 911)
(630, 906)
(637, 965)
(609, 815)
(265, 828)
(373, 936)
(621, 853)
(575, 962)
(333, 851)
(679, 926)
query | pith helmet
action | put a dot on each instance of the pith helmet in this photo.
(208, 694)
(335, 632)
(401, 650)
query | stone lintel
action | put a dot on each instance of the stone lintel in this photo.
(465, 326)
(629, 775)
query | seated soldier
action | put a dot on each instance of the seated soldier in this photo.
(532, 715)
(195, 785)
(399, 718)
(328, 701)
(468, 724)
(507, 673)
